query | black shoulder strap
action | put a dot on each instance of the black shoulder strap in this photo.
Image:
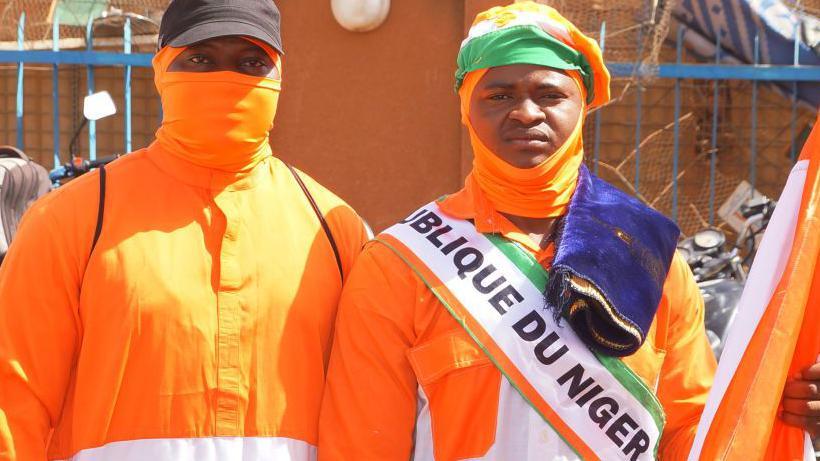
(321, 220)
(100, 209)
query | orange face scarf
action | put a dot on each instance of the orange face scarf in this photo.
(218, 120)
(543, 191)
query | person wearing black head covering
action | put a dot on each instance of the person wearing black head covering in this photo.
(179, 304)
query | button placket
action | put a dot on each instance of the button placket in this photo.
(229, 306)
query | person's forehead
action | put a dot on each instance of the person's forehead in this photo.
(524, 74)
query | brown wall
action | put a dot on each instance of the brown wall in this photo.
(373, 116)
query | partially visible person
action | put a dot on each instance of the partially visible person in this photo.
(179, 304)
(536, 314)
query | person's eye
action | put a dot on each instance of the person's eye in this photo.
(498, 97)
(553, 96)
(254, 62)
(198, 59)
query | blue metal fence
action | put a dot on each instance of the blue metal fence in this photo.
(89, 58)
(677, 72)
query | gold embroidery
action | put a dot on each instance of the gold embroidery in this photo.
(584, 287)
(623, 236)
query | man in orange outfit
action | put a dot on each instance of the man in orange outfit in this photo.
(536, 314)
(189, 316)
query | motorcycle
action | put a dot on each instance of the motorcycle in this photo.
(720, 269)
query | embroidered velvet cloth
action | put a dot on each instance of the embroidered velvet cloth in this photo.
(612, 256)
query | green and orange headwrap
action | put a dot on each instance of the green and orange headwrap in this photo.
(531, 33)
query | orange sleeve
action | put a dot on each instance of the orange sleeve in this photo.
(369, 406)
(39, 330)
(689, 367)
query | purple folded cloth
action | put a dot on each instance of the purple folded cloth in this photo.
(611, 260)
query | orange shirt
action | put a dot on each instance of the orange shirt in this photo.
(395, 342)
(198, 329)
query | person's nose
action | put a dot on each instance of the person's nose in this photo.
(527, 112)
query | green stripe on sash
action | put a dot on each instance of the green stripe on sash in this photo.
(522, 260)
(527, 264)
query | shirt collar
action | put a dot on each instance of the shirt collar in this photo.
(471, 204)
(203, 177)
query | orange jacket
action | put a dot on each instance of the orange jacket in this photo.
(399, 357)
(198, 329)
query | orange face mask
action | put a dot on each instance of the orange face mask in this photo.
(543, 191)
(218, 120)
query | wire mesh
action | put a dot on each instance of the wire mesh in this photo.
(39, 17)
(734, 133)
(635, 29)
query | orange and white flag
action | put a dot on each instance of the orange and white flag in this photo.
(776, 333)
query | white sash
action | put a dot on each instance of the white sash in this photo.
(494, 289)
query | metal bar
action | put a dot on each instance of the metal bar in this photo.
(21, 32)
(597, 148)
(793, 123)
(800, 73)
(94, 58)
(676, 136)
(79, 42)
(639, 111)
(55, 88)
(713, 155)
(753, 134)
(126, 40)
(92, 125)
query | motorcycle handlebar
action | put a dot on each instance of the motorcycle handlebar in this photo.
(70, 170)
(58, 173)
(760, 206)
(96, 163)
(747, 212)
